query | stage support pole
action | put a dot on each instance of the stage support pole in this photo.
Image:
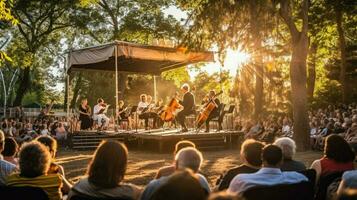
(155, 90)
(116, 81)
(66, 62)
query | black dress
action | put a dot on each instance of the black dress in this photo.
(86, 120)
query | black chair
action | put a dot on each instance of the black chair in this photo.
(221, 115)
(28, 193)
(83, 197)
(324, 182)
(230, 112)
(298, 191)
(311, 175)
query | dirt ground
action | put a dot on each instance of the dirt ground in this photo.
(142, 165)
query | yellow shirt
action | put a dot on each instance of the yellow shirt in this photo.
(51, 184)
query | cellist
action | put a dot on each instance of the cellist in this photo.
(215, 112)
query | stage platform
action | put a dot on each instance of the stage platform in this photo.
(157, 139)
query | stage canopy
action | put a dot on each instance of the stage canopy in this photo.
(133, 58)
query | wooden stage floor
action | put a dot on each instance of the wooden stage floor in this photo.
(157, 139)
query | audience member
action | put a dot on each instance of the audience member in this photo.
(34, 163)
(223, 196)
(269, 174)
(106, 173)
(6, 168)
(288, 147)
(338, 156)
(182, 185)
(168, 170)
(10, 151)
(348, 181)
(250, 155)
(186, 158)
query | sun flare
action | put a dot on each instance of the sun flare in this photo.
(235, 58)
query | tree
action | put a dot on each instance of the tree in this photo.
(299, 48)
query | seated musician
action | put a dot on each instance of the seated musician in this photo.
(215, 112)
(99, 111)
(152, 112)
(143, 106)
(188, 104)
(123, 114)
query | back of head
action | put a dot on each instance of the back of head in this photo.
(347, 194)
(11, 147)
(34, 160)
(272, 155)
(337, 149)
(223, 196)
(185, 87)
(288, 147)
(183, 144)
(252, 152)
(182, 185)
(49, 142)
(108, 166)
(188, 158)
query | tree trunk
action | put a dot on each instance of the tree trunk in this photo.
(24, 86)
(342, 46)
(76, 89)
(257, 59)
(122, 85)
(311, 71)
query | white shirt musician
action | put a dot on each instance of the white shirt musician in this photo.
(99, 111)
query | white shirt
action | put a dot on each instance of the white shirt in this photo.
(6, 168)
(265, 176)
(141, 106)
(96, 109)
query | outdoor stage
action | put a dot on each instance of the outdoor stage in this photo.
(157, 139)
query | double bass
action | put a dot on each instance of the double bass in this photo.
(169, 113)
(208, 108)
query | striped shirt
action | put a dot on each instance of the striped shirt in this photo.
(6, 168)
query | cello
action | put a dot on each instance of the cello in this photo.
(208, 108)
(169, 113)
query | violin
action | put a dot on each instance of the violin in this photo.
(208, 108)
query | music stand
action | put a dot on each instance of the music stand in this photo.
(133, 110)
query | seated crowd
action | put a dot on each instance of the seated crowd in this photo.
(263, 165)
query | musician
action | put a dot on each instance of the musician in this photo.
(143, 106)
(215, 112)
(99, 115)
(188, 104)
(84, 115)
(123, 113)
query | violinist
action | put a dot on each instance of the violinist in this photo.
(143, 107)
(152, 112)
(84, 115)
(215, 112)
(188, 104)
(122, 113)
(99, 111)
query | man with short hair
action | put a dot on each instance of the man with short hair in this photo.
(99, 111)
(6, 168)
(250, 155)
(269, 175)
(188, 104)
(187, 158)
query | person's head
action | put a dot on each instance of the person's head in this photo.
(272, 156)
(185, 88)
(121, 103)
(34, 159)
(143, 97)
(100, 100)
(2, 141)
(108, 166)
(337, 149)
(288, 147)
(183, 144)
(11, 147)
(251, 152)
(188, 158)
(347, 194)
(212, 93)
(85, 101)
(182, 185)
(50, 143)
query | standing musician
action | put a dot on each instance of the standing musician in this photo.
(188, 104)
(215, 112)
(99, 111)
(85, 115)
